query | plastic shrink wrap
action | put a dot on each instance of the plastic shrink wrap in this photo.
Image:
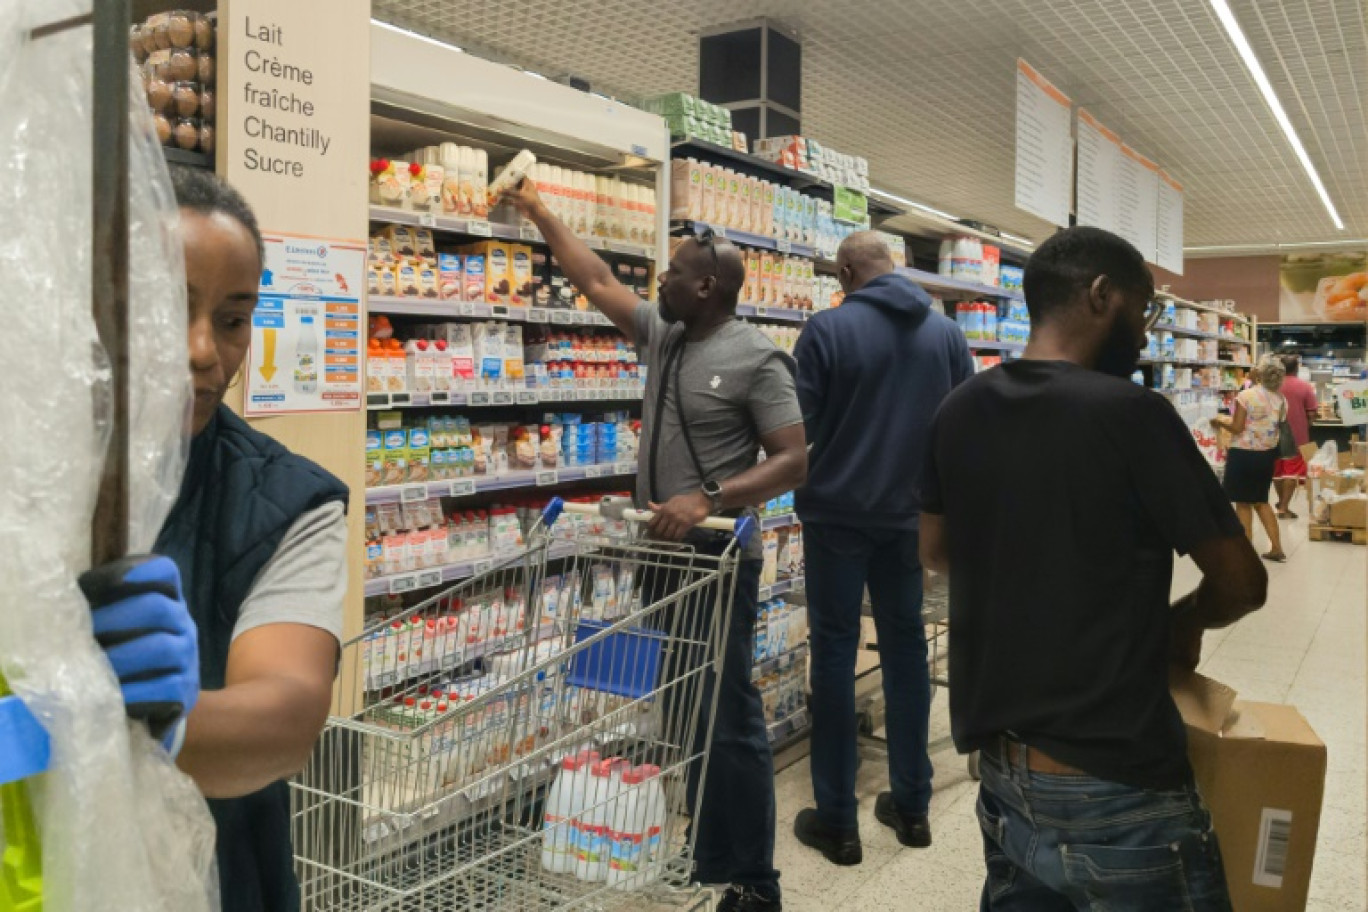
(120, 826)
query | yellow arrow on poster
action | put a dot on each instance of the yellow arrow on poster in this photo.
(268, 365)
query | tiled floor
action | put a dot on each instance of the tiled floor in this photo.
(1306, 647)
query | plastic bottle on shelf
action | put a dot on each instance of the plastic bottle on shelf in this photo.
(450, 156)
(434, 176)
(482, 193)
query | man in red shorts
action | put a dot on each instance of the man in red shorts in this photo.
(1301, 410)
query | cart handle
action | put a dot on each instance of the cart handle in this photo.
(743, 528)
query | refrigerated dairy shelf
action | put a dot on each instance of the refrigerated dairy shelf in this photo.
(503, 231)
(780, 521)
(500, 398)
(985, 345)
(400, 583)
(1193, 362)
(783, 660)
(777, 314)
(1199, 334)
(744, 238)
(512, 481)
(945, 283)
(794, 584)
(435, 307)
(788, 728)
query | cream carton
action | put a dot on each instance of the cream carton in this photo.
(450, 276)
(474, 272)
(710, 173)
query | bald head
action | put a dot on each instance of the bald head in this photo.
(862, 258)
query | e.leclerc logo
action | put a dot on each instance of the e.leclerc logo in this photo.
(320, 251)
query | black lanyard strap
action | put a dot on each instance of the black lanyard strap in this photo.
(674, 358)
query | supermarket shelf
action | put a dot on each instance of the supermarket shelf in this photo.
(781, 521)
(463, 657)
(501, 398)
(782, 587)
(786, 729)
(203, 160)
(1199, 334)
(1183, 302)
(798, 180)
(1214, 391)
(1192, 362)
(777, 314)
(450, 573)
(501, 230)
(465, 487)
(783, 660)
(945, 283)
(431, 307)
(745, 238)
(985, 345)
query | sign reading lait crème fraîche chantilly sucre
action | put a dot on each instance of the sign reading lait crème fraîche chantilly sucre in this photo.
(294, 138)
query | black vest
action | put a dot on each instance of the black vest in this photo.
(242, 492)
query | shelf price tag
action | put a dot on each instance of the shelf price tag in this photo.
(499, 310)
(429, 578)
(528, 233)
(442, 398)
(783, 245)
(427, 220)
(413, 493)
(624, 468)
(719, 231)
(761, 311)
(479, 398)
(479, 228)
(561, 317)
(528, 397)
(463, 487)
(466, 309)
(398, 585)
(547, 478)
(536, 315)
(481, 567)
(503, 398)
(593, 471)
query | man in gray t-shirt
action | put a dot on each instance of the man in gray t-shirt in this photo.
(717, 392)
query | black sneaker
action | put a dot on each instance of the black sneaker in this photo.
(840, 846)
(914, 830)
(747, 899)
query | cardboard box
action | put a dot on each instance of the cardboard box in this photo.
(1261, 771)
(1308, 451)
(1350, 512)
(1348, 481)
(1358, 454)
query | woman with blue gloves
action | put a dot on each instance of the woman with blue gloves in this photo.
(227, 641)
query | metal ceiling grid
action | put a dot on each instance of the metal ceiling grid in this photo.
(925, 89)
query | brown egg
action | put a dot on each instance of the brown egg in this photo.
(207, 71)
(149, 38)
(206, 138)
(158, 95)
(183, 65)
(206, 105)
(163, 129)
(135, 42)
(160, 36)
(188, 134)
(186, 96)
(180, 28)
(204, 34)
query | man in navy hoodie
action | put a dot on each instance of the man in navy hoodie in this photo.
(871, 375)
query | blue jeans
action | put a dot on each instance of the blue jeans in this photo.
(1064, 843)
(841, 562)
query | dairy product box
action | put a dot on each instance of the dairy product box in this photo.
(1261, 771)
(498, 269)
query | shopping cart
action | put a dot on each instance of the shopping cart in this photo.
(429, 789)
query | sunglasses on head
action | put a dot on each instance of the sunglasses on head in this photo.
(1153, 311)
(704, 237)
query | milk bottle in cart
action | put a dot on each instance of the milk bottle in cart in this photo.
(591, 836)
(628, 863)
(564, 804)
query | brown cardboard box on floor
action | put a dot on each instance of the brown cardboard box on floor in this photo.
(1261, 770)
(1350, 512)
(1358, 454)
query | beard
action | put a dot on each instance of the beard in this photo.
(1119, 355)
(667, 313)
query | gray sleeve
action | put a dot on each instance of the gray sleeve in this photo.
(648, 325)
(305, 581)
(773, 398)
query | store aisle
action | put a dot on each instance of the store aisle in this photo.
(1305, 647)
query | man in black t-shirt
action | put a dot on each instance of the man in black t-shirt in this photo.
(1055, 494)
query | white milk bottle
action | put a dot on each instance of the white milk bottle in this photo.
(450, 155)
(480, 200)
(602, 205)
(465, 204)
(562, 810)
(627, 841)
(591, 863)
(656, 815)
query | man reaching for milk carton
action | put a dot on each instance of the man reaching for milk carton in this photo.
(717, 392)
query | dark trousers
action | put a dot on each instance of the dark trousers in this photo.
(841, 562)
(734, 827)
(1065, 843)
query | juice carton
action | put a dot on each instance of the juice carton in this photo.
(709, 195)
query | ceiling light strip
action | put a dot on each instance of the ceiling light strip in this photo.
(1237, 36)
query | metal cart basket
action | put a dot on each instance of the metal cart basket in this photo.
(532, 738)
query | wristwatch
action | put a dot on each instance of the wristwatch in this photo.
(714, 491)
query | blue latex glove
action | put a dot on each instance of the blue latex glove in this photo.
(143, 624)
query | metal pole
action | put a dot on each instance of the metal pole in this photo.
(109, 264)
